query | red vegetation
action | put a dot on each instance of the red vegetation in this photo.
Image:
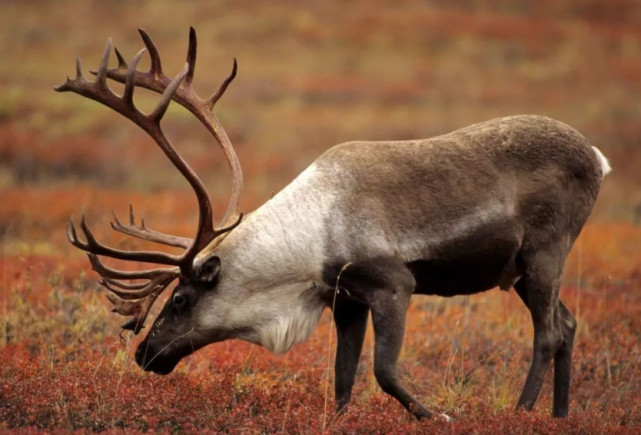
(309, 78)
(62, 366)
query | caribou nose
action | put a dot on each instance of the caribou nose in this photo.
(151, 360)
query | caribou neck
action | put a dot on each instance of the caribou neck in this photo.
(281, 242)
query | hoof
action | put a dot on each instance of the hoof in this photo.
(446, 418)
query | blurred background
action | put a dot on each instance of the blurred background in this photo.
(311, 75)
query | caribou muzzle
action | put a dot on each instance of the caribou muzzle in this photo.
(157, 359)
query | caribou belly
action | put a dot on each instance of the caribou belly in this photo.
(471, 263)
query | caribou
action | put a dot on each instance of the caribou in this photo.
(364, 228)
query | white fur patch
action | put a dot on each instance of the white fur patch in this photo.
(268, 265)
(605, 165)
(286, 330)
(282, 241)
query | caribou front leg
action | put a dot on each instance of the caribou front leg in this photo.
(385, 285)
(388, 317)
(351, 322)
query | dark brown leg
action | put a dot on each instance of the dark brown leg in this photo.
(385, 286)
(388, 317)
(539, 289)
(351, 322)
(563, 363)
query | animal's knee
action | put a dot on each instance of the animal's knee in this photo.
(386, 378)
(547, 345)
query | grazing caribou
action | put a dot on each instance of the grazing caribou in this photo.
(361, 230)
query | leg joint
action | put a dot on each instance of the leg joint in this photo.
(548, 345)
(386, 379)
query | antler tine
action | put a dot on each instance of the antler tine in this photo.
(156, 67)
(107, 272)
(167, 95)
(141, 291)
(122, 63)
(128, 93)
(138, 302)
(123, 285)
(145, 233)
(91, 245)
(125, 294)
(211, 101)
(101, 76)
(191, 56)
(79, 74)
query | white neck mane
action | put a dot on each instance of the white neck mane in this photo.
(270, 264)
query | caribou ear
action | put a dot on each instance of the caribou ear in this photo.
(209, 270)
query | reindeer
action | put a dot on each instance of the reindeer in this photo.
(361, 230)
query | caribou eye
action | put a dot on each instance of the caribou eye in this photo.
(179, 301)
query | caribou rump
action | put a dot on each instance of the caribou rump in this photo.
(361, 230)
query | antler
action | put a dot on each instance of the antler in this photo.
(186, 96)
(136, 298)
(142, 232)
(133, 299)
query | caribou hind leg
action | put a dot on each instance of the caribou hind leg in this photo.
(553, 330)
(563, 363)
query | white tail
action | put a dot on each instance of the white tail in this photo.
(605, 165)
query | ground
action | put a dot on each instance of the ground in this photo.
(309, 77)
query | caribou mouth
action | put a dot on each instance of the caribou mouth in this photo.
(156, 362)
